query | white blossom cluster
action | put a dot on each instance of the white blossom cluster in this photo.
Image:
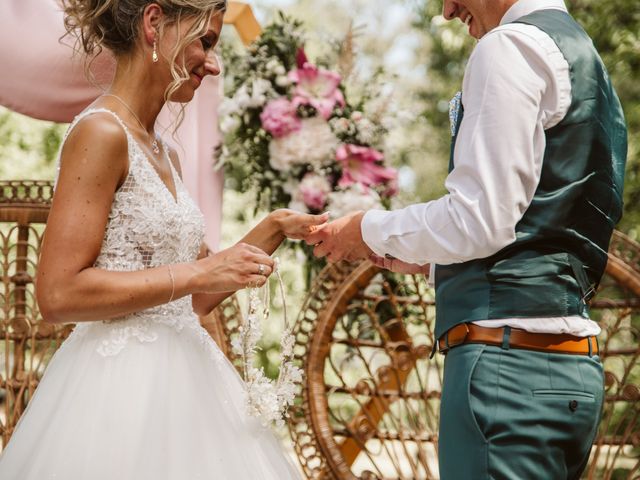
(351, 199)
(313, 144)
(266, 399)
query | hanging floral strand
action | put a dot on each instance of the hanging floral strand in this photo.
(267, 399)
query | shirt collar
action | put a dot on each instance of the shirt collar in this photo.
(525, 7)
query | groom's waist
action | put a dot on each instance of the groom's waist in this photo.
(508, 337)
(526, 286)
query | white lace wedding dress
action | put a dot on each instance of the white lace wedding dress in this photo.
(148, 396)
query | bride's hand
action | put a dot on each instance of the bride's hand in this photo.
(296, 225)
(235, 268)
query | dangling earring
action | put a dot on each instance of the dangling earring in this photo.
(154, 55)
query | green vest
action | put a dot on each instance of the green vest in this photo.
(560, 251)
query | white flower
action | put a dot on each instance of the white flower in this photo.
(313, 144)
(272, 65)
(290, 185)
(260, 92)
(286, 343)
(283, 80)
(356, 116)
(355, 197)
(227, 107)
(340, 125)
(229, 123)
(266, 399)
(298, 206)
(366, 131)
(242, 97)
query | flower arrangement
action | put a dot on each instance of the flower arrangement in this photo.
(293, 135)
(266, 399)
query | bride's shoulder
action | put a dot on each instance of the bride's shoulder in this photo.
(98, 126)
(96, 141)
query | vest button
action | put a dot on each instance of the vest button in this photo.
(573, 405)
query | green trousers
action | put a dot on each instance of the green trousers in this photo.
(513, 414)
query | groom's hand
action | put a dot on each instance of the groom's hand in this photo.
(340, 239)
(398, 266)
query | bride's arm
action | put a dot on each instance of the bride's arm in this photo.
(68, 287)
(267, 235)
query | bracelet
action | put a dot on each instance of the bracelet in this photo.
(173, 283)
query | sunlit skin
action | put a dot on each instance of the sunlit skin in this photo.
(94, 164)
(481, 16)
(342, 240)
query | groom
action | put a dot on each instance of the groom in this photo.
(520, 242)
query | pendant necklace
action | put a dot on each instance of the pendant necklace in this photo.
(154, 143)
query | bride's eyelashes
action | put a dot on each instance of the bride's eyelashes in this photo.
(207, 42)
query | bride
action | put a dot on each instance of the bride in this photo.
(139, 390)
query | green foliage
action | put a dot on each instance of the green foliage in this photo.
(617, 39)
(28, 147)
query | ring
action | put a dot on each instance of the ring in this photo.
(261, 269)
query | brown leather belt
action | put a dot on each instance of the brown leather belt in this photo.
(516, 338)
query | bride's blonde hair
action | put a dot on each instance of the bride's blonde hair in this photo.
(115, 24)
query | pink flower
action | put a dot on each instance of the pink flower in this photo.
(359, 165)
(316, 87)
(279, 118)
(314, 190)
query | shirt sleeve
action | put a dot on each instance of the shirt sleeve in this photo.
(516, 84)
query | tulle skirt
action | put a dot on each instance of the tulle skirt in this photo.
(151, 404)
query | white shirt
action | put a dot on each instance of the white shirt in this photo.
(516, 85)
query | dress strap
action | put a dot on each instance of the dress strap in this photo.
(88, 112)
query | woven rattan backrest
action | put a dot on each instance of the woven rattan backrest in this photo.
(26, 343)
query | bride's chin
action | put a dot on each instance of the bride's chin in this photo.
(183, 95)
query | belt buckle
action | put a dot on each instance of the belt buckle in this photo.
(448, 343)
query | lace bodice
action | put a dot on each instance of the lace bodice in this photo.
(146, 228)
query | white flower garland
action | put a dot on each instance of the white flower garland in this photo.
(266, 399)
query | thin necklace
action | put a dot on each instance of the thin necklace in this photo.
(154, 143)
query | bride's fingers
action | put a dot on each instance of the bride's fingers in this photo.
(313, 221)
(260, 258)
(255, 281)
(262, 269)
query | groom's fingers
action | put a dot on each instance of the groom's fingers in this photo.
(316, 237)
(320, 250)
